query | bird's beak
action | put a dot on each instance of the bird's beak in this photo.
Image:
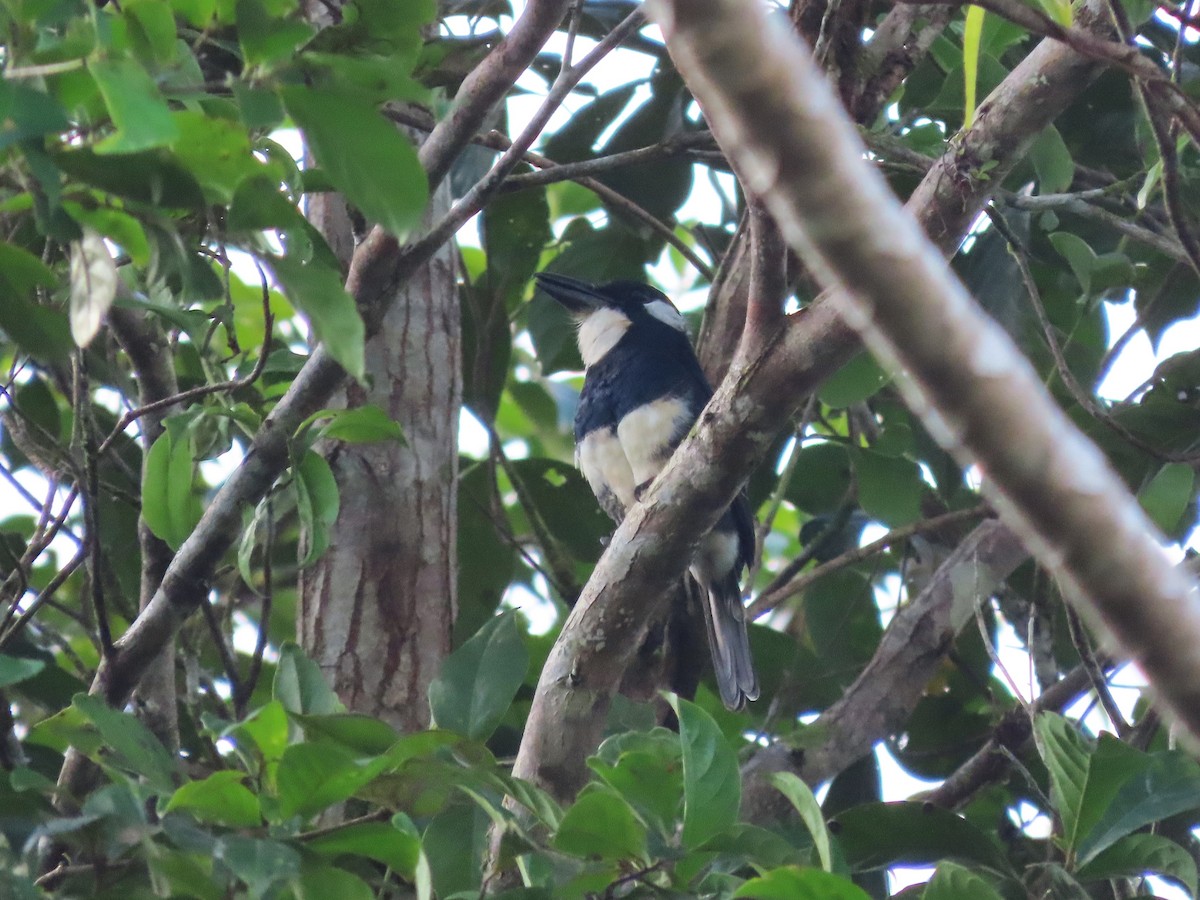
(579, 297)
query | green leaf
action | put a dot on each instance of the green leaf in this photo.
(972, 31)
(952, 882)
(1059, 10)
(216, 151)
(875, 835)
(128, 737)
(890, 488)
(317, 503)
(15, 669)
(1068, 759)
(1165, 499)
(321, 882)
(801, 797)
(268, 727)
(220, 799)
(41, 332)
(794, 883)
(712, 786)
(1079, 256)
(362, 734)
(1138, 854)
(601, 824)
(259, 863)
(317, 291)
(1166, 785)
(299, 685)
(856, 381)
(169, 506)
(121, 228)
(138, 111)
(479, 680)
(265, 36)
(314, 776)
(1052, 162)
(354, 166)
(151, 24)
(646, 769)
(380, 841)
(360, 425)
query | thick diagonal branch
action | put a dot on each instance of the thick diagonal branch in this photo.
(771, 110)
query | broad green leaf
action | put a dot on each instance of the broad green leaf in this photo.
(314, 776)
(138, 111)
(259, 863)
(601, 824)
(1059, 10)
(317, 291)
(380, 841)
(151, 26)
(801, 797)
(321, 882)
(794, 883)
(41, 332)
(712, 786)
(360, 425)
(169, 506)
(1168, 784)
(1136, 855)
(265, 36)
(889, 487)
(1052, 161)
(177, 874)
(362, 734)
(119, 227)
(127, 736)
(220, 799)
(1165, 499)
(354, 166)
(972, 31)
(268, 727)
(93, 286)
(15, 669)
(317, 503)
(216, 151)
(646, 768)
(1079, 256)
(828, 475)
(856, 381)
(876, 835)
(953, 882)
(479, 680)
(1068, 759)
(299, 685)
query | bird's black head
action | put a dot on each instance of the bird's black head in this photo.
(635, 300)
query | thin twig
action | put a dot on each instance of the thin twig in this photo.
(1083, 646)
(205, 389)
(242, 696)
(475, 199)
(771, 598)
(1082, 397)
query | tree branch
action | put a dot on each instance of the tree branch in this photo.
(774, 114)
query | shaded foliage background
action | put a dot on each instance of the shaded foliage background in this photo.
(148, 202)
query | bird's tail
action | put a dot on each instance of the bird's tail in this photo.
(725, 618)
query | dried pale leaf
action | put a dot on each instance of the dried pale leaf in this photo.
(93, 285)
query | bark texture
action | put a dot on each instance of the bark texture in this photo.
(378, 608)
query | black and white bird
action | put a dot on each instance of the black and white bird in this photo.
(643, 389)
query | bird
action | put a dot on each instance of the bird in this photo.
(643, 389)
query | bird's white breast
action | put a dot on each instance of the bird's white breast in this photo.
(646, 432)
(603, 462)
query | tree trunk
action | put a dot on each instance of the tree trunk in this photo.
(376, 611)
